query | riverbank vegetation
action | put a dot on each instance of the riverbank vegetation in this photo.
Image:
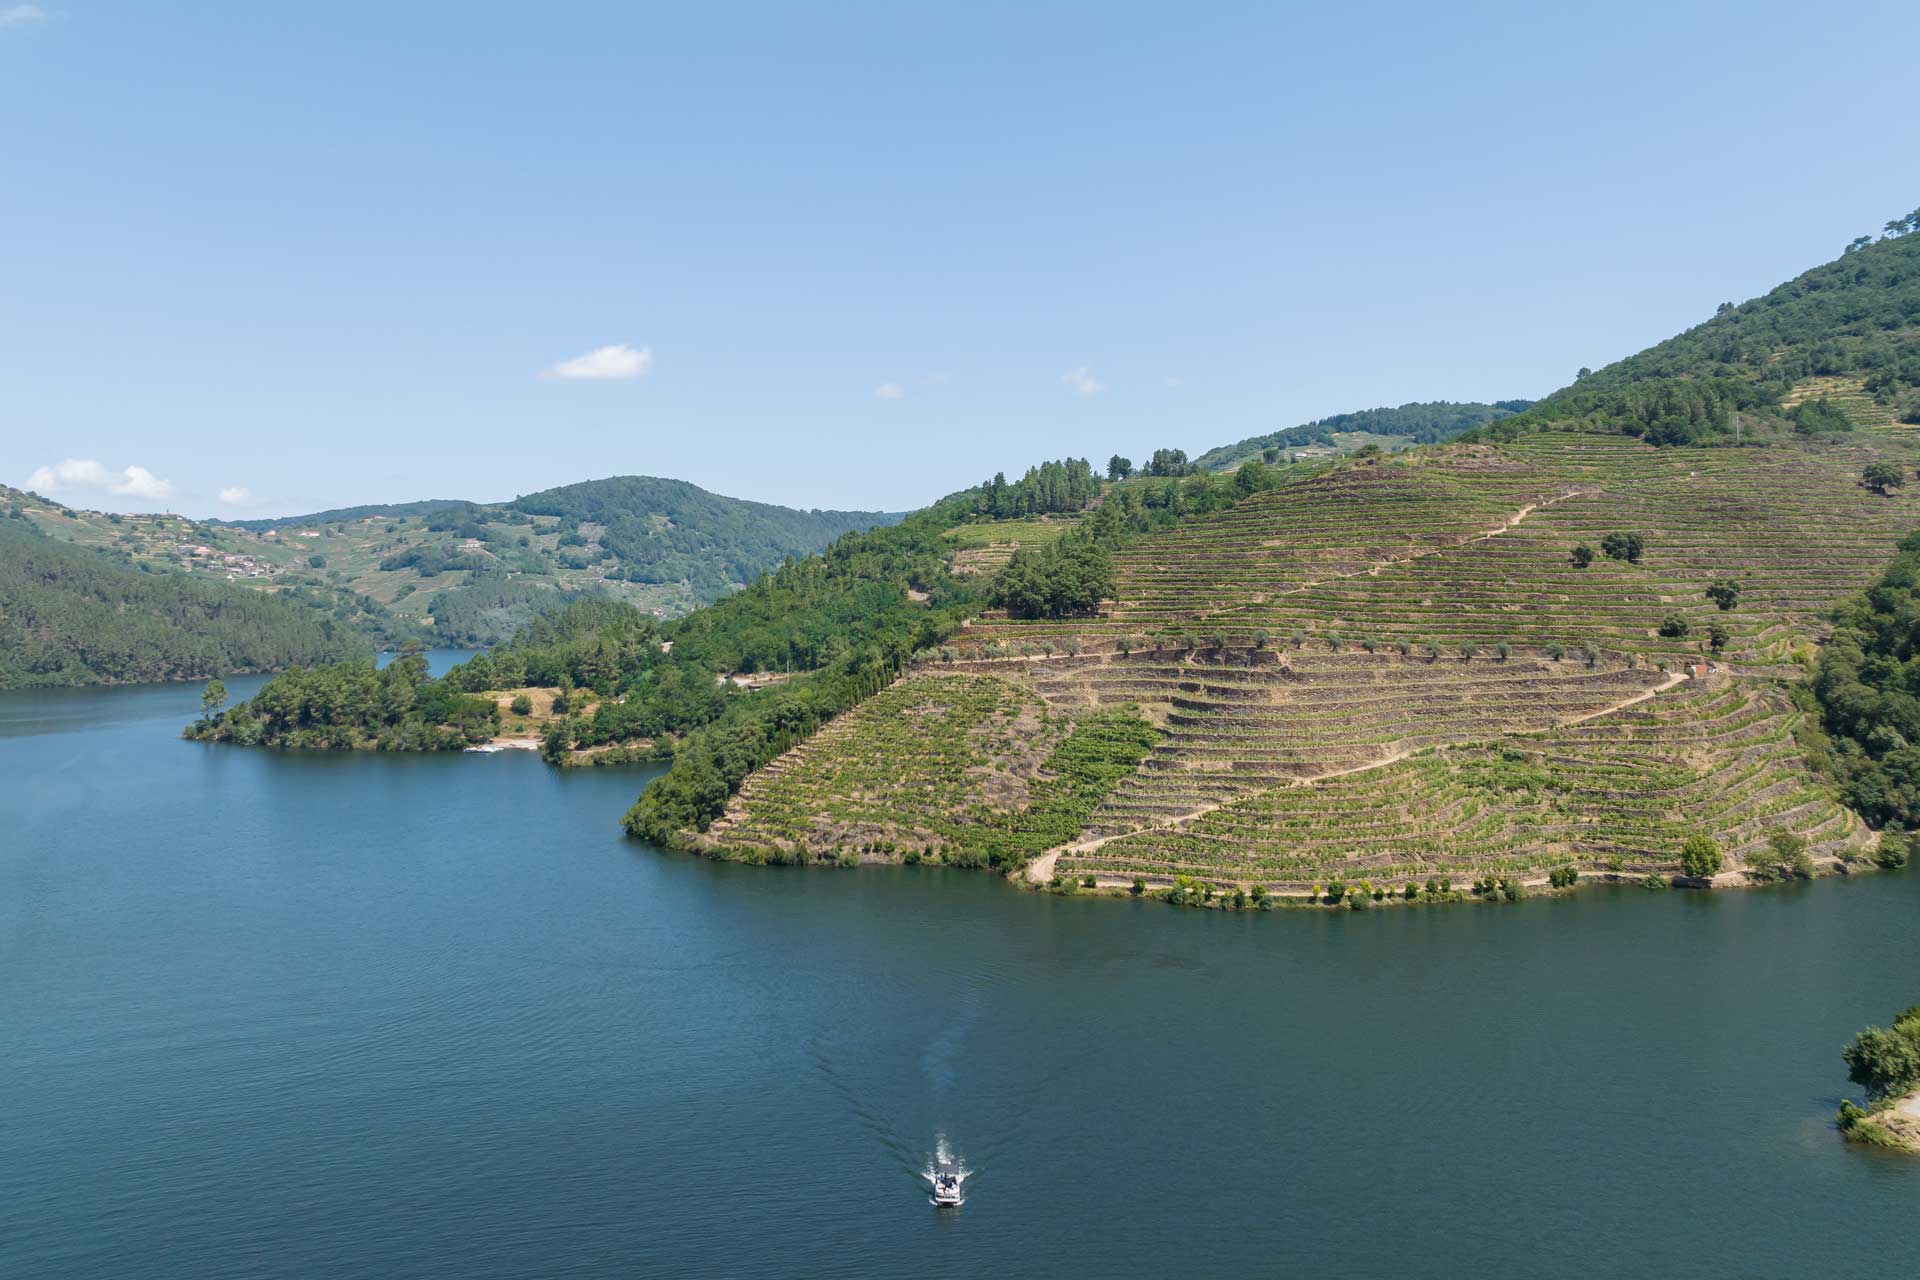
(1885, 1062)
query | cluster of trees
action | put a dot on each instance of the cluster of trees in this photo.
(353, 704)
(492, 606)
(1427, 422)
(433, 559)
(1050, 488)
(76, 615)
(1065, 578)
(1885, 1061)
(1168, 463)
(1867, 686)
(1819, 416)
(1882, 477)
(1623, 546)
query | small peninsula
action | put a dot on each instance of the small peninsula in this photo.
(1886, 1063)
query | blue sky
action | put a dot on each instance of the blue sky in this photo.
(861, 255)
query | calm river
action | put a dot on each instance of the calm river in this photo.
(302, 1015)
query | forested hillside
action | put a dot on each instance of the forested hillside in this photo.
(1848, 330)
(70, 615)
(466, 574)
(664, 531)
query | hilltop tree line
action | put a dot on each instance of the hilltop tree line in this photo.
(1853, 316)
(1427, 422)
(1048, 489)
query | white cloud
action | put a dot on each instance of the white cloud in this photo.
(19, 15)
(237, 495)
(890, 391)
(142, 483)
(1082, 382)
(604, 364)
(85, 473)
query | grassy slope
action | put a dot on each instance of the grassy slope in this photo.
(1413, 629)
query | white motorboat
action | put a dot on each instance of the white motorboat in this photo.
(945, 1180)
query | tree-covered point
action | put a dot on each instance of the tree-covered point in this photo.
(1424, 422)
(74, 615)
(1868, 687)
(353, 704)
(1885, 1062)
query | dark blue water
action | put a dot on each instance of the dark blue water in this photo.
(299, 1015)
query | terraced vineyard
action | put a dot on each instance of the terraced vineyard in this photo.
(1617, 794)
(1396, 670)
(1238, 721)
(985, 548)
(965, 769)
(1466, 546)
(1848, 394)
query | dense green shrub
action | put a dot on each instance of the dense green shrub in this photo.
(1623, 546)
(1700, 857)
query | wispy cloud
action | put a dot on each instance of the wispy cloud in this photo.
(1082, 382)
(85, 473)
(890, 391)
(615, 363)
(20, 15)
(237, 495)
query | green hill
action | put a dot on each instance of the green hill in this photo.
(74, 615)
(468, 574)
(1442, 671)
(1569, 643)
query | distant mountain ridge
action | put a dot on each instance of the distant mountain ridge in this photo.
(450, 571)
(387, 510)
(1419, 422)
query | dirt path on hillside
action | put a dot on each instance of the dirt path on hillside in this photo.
(1373, 570)
(1040, 870)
